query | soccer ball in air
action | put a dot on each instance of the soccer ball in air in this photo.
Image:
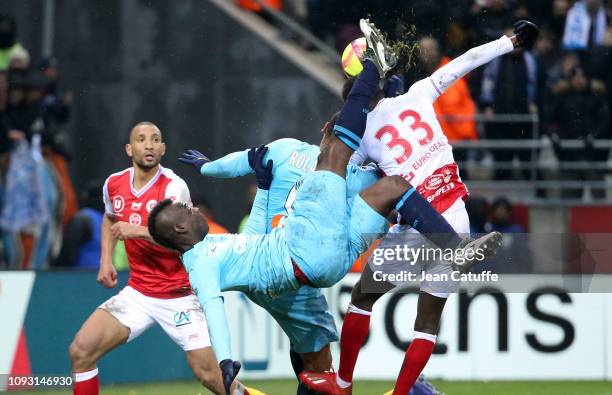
(352, 57)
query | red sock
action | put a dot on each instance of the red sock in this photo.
(354, 332)
(86, 383)
(416, 358)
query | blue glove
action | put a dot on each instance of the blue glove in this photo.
(394, 86)
(263, 173)
(526, 33)
(194, 158)
(229, 371)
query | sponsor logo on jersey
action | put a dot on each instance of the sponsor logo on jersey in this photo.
(182, 318)
(135, 219)
(118, 204)
(434, 181)
(136, 206)
(150, 205)
(441, 191)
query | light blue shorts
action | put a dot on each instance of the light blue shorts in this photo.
(303, 315)
(324, 234)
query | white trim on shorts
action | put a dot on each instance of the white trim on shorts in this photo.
(181, 318)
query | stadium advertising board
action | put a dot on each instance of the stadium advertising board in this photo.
(15, 289)
(544, 334)
(539, 335)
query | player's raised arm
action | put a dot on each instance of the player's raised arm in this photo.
(231, 165)
(432, 87)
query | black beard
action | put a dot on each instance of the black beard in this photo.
(144, 166)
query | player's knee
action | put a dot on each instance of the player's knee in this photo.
(363, 300)
(427, 324)
(80, 354)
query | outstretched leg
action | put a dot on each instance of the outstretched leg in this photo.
(343, 138)
(395, 192)
(351, 124)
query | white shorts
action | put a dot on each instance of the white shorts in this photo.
(181, 318)
(458, 218)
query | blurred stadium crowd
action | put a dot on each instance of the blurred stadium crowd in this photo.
(36, 193)
(560, 89)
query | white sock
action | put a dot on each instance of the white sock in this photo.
(353, 309)
(341, 383)
(84, 376)
(425, 336)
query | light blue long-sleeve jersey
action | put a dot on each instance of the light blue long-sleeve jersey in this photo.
(256, 261)
(292, 159)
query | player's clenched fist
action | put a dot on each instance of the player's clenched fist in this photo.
(107, 275)
(229, 371)
(526, 33)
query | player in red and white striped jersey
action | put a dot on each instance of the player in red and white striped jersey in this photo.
(158, 289)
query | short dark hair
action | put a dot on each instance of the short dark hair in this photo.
(141, 123)
(331, 122)
(152, 225)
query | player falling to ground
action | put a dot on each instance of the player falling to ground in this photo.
(303, 314)
(404, 137)
(158, 290)
(319, 241)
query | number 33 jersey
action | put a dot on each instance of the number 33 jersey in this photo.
(404, 137)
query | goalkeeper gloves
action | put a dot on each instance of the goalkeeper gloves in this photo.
(229, 371)
(263, 173)
(194, 158)
(526, 33)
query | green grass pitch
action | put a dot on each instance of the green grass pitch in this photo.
(287, 387)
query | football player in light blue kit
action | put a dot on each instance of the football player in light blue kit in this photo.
(258, 264)
(303, 314)
(319, 241)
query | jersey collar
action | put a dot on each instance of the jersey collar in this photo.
(148, 185)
